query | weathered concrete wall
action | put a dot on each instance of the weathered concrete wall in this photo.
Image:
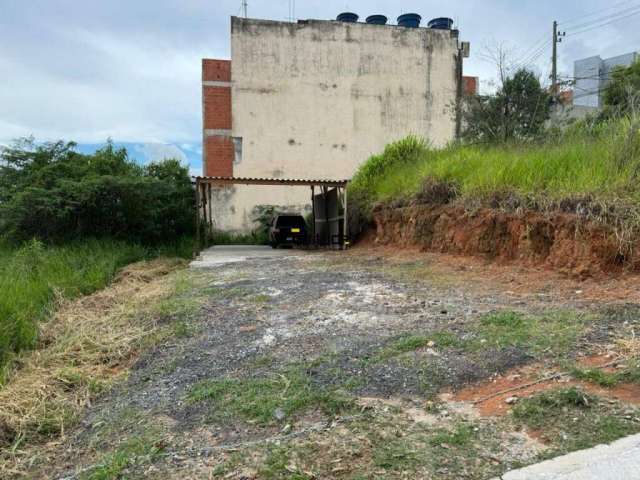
(316, 99)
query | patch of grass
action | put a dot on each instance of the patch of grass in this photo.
(571, 420)
(228, 238)
(133, 452)
(225, 293)
(34, 278)
(277, 465)
(461, 435)
(260, 298)
(263, 361)
(595, 375)
(583, 161)
(396, 454)
(535, 411)
(607, 379)
(551, 333)
(413, 342)
(258, 399)
(87, 346)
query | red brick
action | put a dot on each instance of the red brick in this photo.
(470, 86)
(218, 156)
(216, 70)
(217, 107)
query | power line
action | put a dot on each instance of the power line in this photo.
(636, 12)
(613, 16)
(532, 57)
(592, 13)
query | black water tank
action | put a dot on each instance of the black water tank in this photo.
(410, 20)
(348, 17)
(441, 23)
(377, 20)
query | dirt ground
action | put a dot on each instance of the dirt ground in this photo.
(363, 365)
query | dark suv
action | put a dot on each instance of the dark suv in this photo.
(288, 229)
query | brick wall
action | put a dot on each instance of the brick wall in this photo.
(217, 107)
(213, 70)
(218, 150)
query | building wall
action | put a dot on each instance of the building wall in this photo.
(315, 99)
(217, 142)
(591, 77)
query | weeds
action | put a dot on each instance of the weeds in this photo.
(606, 379)
(87, 345)
(135, 451)
(461, 435)
(267, 400)
(410, 343)
(552, 333)
(571, 419)
(584, 163)
(35, 279)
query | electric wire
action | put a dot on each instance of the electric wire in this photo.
(594, 12)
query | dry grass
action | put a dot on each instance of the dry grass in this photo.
(88, 344)
(629, 347)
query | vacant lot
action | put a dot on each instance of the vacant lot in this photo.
(364, 365)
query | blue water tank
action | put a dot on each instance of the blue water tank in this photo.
(410, 20)
(377, 20)
(349, 17)
(441, 23)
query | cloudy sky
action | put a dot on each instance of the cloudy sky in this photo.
(130, 70)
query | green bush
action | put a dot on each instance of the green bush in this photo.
(594, 160)
(51, 192)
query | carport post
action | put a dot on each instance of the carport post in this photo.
(197, 209)
(313, 214)
(345, 228)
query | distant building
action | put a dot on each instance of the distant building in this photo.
(592, 75)
(314, 99)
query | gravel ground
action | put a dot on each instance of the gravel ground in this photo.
(253, 313)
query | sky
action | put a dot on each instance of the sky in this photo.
(130, 70)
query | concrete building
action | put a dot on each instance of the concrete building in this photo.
(591, 76)
(315, 99)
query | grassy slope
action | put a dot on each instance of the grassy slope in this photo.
(600, 161)
(34, 277)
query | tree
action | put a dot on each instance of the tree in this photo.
(622, 93)
(517, 111)
(52, 192)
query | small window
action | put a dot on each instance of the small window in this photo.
(237, 150)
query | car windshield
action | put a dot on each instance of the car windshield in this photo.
(290, 221)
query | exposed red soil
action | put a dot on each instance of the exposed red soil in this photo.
(497, 405)
(561, 241)
(516, 281)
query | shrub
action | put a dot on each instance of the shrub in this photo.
(51, 192)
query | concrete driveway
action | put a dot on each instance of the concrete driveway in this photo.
(222, 254)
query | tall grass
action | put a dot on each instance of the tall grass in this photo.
(600, 161)
(34, 277)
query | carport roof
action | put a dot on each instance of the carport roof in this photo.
(271, 181)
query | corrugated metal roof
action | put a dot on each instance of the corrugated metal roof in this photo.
(272, 181)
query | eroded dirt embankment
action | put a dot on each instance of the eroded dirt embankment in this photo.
(561, 241)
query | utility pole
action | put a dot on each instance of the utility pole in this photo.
(244, 8)
(554, 62)
(557, 38)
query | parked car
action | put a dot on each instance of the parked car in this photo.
(288, 229)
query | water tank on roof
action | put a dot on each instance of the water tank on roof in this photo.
(376, 20)
(410, 20)
(441, 23)
(348, 17)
